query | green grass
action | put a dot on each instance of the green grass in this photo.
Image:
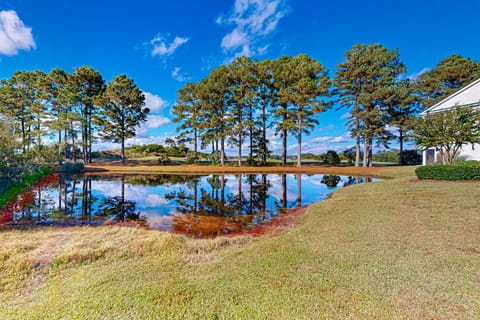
(12, 190)
(395, 249)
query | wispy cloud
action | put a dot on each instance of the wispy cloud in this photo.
(252, 21)
(415, 75)
(160, 46)
(180, 77)
(326, 128)
(14, 35)
(332, 139)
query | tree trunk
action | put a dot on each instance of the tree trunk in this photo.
(74, 154)
(39, 133)
(65, 134)
(264, 137)
(59, 145)
(357, 151)
(222, 153)
(84, 142)
(370, 153)
(365, 151)
(195, 143)
(24, 137)
(123, 151)
(240, 149)
(299, 141)
(402, 161)
(90, 136)
(284, 147)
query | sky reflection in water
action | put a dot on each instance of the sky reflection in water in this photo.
(199, 206)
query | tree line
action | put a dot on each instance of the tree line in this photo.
(238, 103)
(77, 108)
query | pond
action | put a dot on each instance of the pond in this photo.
(195, 205)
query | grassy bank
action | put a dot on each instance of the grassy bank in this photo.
(14, 189)
(396, 249)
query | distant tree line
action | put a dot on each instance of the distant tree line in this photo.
(76, 109)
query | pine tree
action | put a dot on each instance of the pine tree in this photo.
(187, 111)
(307, 87)
(364, 81)
(451, 74)
(90, 86)
(122, 111)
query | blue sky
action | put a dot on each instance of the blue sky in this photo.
(163, 44)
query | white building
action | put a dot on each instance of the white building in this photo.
(467, 97)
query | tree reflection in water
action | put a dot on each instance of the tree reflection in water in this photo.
(201, 206)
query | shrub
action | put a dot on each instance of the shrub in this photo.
(164, 159)
(214, 158)
(331, 158)
(448, 172)
(192, 157)
(467, 163)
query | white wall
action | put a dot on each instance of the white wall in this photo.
(469, 153)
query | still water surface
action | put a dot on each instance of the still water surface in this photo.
(199, 206)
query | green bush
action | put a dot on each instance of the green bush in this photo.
(164, 159)
(448, 172)
(214, 158)
(467, 163)
(331, 158)
(192, 157)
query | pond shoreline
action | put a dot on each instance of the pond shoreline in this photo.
(374, 172)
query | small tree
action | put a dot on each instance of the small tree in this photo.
(448, 131)
(331, 158)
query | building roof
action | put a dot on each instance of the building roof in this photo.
(468, 96)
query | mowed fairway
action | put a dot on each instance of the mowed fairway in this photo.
(395, 249)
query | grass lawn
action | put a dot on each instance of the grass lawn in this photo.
(395, 249)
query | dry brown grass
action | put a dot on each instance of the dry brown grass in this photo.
(397, 249)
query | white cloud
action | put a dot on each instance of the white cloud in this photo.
(180, 77)
(331, 139)
(326, 128)
(155, 121)
(345, 116)
(253, 20)
(14, 35)
(161, 47)
(415, 75)
(154, 102)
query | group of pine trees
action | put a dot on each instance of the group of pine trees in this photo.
(236, 104)
(76, 108)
